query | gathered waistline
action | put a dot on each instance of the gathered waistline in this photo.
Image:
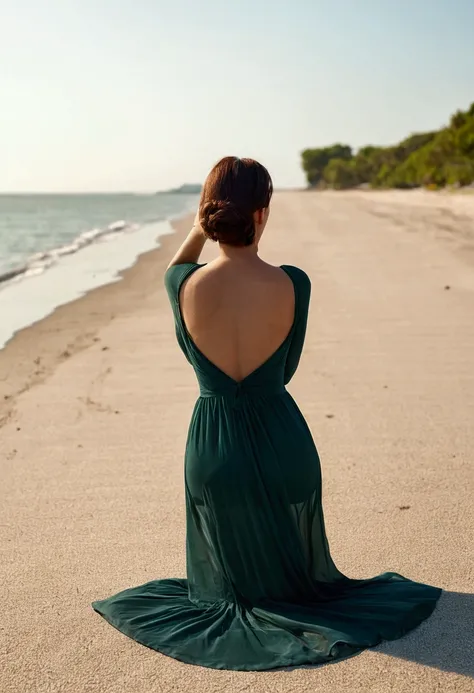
(241, 391)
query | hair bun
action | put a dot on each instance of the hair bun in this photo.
(222, 220)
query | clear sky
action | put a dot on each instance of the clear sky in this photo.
(116, 95)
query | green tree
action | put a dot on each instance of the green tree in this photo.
(340, 174)
(314, 161)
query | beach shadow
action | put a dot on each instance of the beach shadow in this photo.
(444, 641)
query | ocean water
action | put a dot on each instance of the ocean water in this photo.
(54, 248)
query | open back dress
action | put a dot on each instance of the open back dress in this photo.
(262, 590)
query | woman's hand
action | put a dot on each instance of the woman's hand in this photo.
(197, 224)
(192, 247)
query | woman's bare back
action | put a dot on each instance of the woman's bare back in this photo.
(238, 314)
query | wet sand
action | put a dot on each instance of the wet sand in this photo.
(94, 406)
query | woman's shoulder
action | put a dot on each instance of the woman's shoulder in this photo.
(176, 274)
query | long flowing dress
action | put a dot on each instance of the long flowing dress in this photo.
(262, 590)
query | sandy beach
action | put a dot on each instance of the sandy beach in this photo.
(95, 402)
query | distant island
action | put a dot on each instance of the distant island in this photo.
(186, 189)
(433, 160)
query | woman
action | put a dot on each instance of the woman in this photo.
(262, 590)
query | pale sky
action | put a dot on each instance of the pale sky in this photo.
(141, 95)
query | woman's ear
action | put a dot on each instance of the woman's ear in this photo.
(259, 216)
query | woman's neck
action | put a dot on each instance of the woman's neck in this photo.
(244, 254)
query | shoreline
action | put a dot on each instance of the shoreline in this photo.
(32, 354)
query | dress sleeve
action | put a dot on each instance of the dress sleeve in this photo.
(302, 285)
(173, 279)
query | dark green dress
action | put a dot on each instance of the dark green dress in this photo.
(262, 590)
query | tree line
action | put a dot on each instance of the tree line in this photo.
(434, 159)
